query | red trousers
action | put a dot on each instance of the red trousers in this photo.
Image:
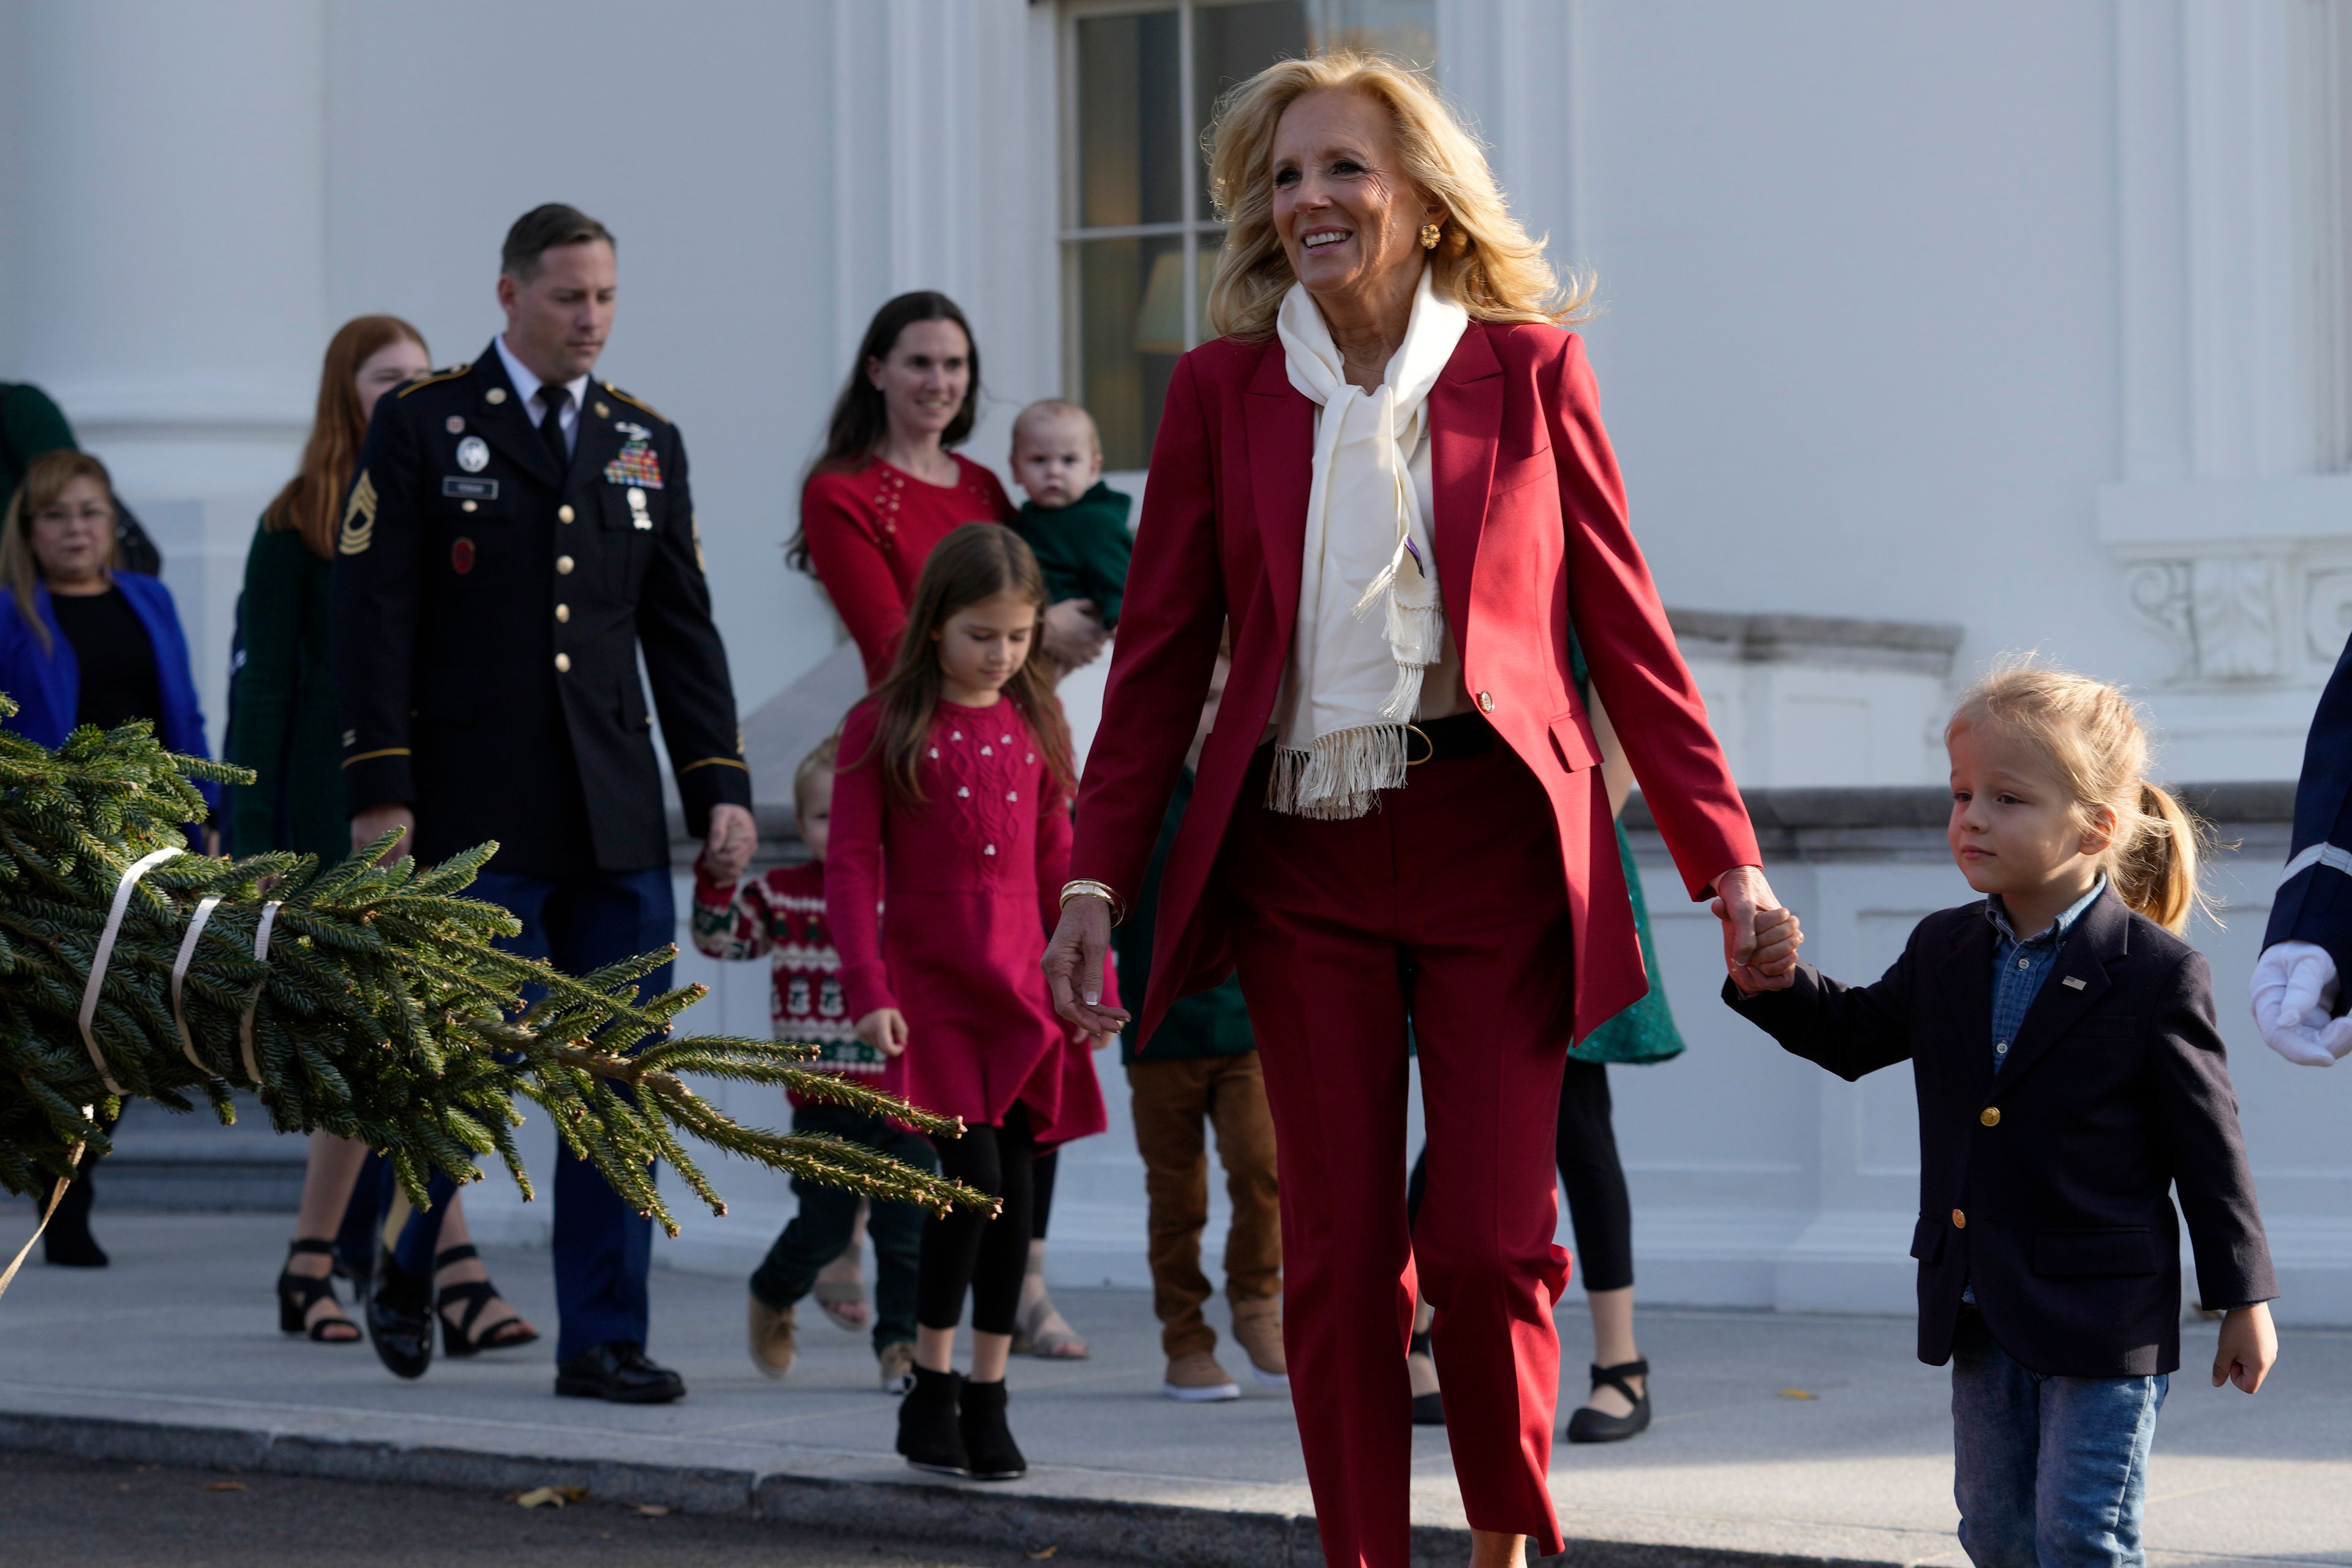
(1444, 907)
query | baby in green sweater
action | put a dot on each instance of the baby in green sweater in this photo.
(1075, 525)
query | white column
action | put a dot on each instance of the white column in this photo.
(173, 285)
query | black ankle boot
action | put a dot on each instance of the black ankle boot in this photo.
(66, 1244)
(987, 1440)
(929, 1434)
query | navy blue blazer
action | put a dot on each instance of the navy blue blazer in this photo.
(2315, 898)
(2047, 1187)
(46, 682)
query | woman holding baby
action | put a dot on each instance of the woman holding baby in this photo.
(1390, 475)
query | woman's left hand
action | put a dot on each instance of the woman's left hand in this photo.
(1745, 904)
(1073, 634)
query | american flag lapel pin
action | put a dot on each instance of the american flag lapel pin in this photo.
(2072, 984)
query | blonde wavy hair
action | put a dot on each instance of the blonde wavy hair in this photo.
(2090, 734)
(1483, 258)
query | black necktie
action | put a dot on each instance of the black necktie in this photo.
(550, 429)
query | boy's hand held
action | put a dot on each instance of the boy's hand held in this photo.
(885, 1029)
(2247, 1349)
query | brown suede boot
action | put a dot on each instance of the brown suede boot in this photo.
(774, 1339)
(1257, 1329)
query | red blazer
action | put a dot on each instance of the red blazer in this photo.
(1529, 521)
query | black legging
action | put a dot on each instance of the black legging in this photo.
(1585, 1147)
(1042, 1205)
(967, 1250)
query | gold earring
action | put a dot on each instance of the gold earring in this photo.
(1430, 234)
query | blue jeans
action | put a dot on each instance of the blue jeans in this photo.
(603, 1248)
(2050, 1472)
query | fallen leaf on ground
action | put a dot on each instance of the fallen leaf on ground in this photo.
(651, 1509)
(545, 1497)
(224, 1485)
(1042, 1552)
(1797, 1394)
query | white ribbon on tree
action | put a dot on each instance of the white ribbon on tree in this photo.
(123, 890)
(261, 953)
(197, 922)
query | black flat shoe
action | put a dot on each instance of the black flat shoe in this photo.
(400, 1317)
(988, 1444)
(930, 1431)
(1590, 1426)
(620, 1371)
(458, 1339)
(298, 1293)
(1428, 1409)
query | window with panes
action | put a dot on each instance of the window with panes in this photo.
(1140, 240)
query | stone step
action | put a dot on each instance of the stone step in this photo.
(163, 1160)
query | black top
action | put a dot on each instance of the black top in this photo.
(2048, 1186)
(117, 660)
(490, 606)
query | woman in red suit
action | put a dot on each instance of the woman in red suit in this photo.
(1390, 475)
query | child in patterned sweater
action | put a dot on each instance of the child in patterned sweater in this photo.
(780, 916)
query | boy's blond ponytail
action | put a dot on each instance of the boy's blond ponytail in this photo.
(2155, 867)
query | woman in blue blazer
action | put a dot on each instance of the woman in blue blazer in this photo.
(83, 644)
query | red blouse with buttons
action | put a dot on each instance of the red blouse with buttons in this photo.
(975, 871)
(870, 530)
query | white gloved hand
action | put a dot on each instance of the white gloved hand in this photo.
(2294, 988)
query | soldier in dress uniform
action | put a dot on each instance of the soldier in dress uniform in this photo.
(517, 533)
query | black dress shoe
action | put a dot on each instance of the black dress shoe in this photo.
(618, 1370)
(400, 1317)
(1590, 1425)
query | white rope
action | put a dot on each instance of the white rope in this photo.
(139, 869)
(260, 952)
(205, 909)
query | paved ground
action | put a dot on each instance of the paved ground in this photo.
(65, 1513)
(1803, 1436)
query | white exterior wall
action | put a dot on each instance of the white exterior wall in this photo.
(1996, 315)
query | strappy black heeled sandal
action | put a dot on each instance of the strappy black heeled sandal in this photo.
(1590, 1426)
(458, 1339)
(298, 1293)
(1428, 1409)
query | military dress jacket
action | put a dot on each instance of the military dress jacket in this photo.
(489, 609)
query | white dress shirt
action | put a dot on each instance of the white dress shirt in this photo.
(527, 387)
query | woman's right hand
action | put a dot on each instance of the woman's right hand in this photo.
(1073, 965)
(885, 1029)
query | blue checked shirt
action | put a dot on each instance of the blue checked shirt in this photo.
(2019, 968)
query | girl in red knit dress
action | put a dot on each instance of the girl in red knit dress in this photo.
(953, 794)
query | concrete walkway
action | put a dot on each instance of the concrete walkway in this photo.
(1777, 1437)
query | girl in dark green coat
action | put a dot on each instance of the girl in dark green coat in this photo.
(283, 725)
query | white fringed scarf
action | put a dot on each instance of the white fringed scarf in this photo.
(1354, 682)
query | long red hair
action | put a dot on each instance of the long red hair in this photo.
(975, 563)
(314, 495)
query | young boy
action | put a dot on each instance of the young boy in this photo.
(1202, 1071)
(2070, 1080)
(1075, 525)
(781, 916)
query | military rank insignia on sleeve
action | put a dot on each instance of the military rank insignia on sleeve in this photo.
(636, 463)
(359, 518)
